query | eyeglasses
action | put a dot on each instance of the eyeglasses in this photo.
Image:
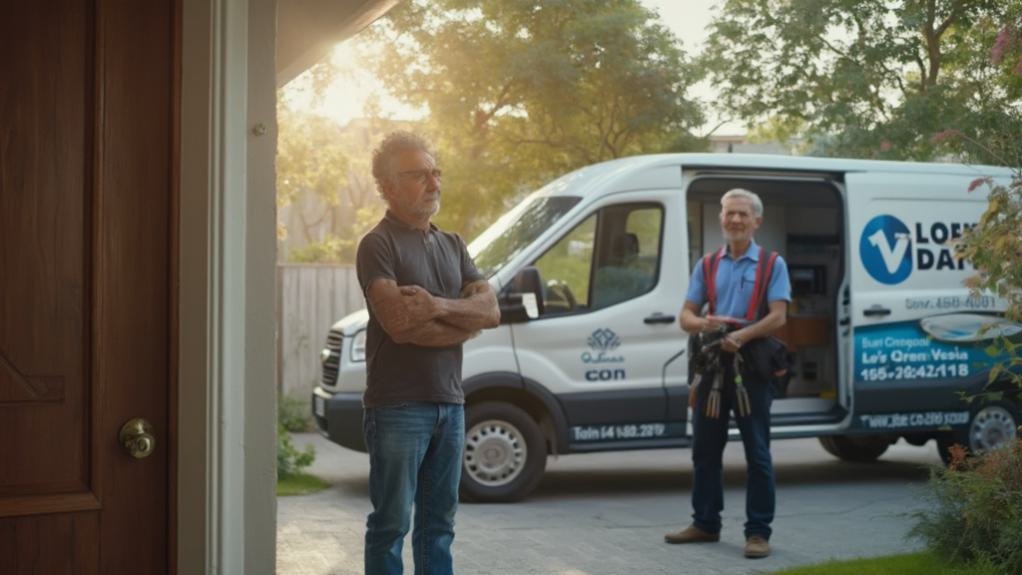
(421, 175)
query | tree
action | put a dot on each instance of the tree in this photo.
(310, 163)
(868, 78)
(324, 180)
(519, 92)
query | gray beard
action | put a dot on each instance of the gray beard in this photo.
(429, 212)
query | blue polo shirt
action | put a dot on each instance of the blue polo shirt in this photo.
(735, 281)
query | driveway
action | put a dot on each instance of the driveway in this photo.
(606, 514)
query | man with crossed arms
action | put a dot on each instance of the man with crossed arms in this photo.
(425, 298)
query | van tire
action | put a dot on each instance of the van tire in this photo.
(990, 425)
(515, 457)
(860, 449)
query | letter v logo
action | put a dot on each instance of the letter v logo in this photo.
(885, 248)
(892, 257)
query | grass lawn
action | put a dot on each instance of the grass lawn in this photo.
(301, 484)
(911, 564)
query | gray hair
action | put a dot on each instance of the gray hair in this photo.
(391, 146)
(757, 204)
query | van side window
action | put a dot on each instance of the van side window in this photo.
(565, 269)
(628, 253)
(611, 257)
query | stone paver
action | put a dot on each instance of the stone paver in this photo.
(606, 514)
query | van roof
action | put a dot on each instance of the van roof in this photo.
(589, 178)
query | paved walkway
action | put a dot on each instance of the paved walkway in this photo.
(606, 514)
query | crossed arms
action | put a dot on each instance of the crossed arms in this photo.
(410, 314)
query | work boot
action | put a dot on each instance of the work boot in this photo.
(756, 547)
(692, 534)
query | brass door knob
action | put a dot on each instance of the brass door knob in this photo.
(137, 438)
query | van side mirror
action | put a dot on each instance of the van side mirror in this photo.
(523, 300)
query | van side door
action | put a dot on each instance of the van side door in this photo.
(916, 329)
(613, 288)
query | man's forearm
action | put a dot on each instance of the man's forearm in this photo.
(476, 309)
(691, 322)
(764, 327)
(472, 313)
(436, 333)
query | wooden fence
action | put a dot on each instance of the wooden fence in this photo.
(310, 298)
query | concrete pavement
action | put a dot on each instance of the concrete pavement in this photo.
(606, 514)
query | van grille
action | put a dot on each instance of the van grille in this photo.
(331, 363)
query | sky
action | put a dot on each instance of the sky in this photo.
(687, 19)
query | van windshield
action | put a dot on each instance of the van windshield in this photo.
(515, 230)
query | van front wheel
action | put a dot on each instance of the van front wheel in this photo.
(505, 453)
(860, 449)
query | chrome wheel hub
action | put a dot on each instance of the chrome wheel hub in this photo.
(495, 452)
(993, 427)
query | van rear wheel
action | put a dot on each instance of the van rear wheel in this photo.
(860, 449)
(505, 453)
(992, 426)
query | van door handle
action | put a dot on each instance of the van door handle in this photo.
(876, 311)
(659, 318)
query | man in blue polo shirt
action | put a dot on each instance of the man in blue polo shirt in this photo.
(735, 283)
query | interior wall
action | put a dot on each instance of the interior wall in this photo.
(195, 176)
(259, 384)
(812, 221)
(226, 459)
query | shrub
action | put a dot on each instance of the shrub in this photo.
(291, 461)
(977, 517)
(293, 413)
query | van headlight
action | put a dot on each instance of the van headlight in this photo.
(358, 346)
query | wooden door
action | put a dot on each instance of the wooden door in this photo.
(86, 108)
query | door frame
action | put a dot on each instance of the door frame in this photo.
(223, 463)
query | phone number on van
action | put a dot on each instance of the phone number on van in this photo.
(615, 432)
(929, 371)
(953, 302)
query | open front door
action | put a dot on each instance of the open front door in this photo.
(85, 204)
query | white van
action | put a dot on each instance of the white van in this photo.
(884, 335)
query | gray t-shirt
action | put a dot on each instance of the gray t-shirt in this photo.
(438, 262)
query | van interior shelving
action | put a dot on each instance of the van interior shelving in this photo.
(802, 222)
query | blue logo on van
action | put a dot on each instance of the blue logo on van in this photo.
(604, 340)
(886, 249)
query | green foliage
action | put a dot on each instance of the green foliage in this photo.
(310, 158)
(330, 249)
(293, 413)
(324, 178)
(909, 564)
(994, 248)
(291, 461)
(301, 484)
(520, 92)
(977, 513)
(869, 78)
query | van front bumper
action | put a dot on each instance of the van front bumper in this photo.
(339, 417)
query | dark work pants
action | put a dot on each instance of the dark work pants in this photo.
(709, 440)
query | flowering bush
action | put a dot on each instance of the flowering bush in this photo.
(977, 516)
(994, 248)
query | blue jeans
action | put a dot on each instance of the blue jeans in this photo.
(709, 439)
(415, 452)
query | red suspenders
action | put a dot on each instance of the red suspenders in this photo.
(764, 271)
